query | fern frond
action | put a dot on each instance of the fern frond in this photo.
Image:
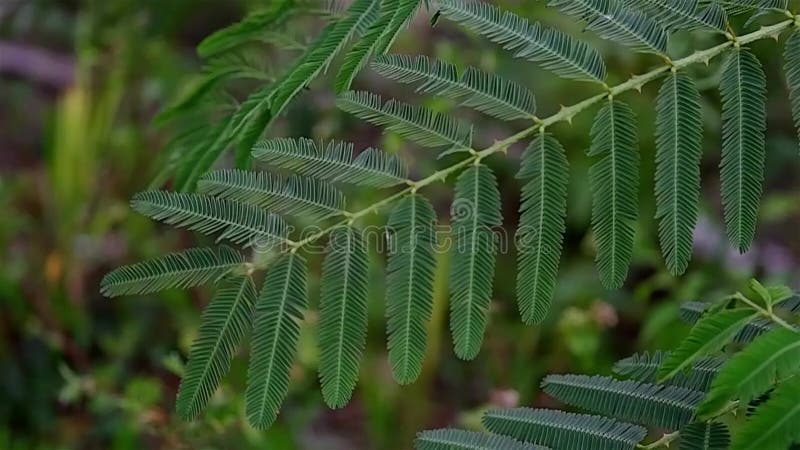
(297, 196)
(474, 88)
(334, 162)
(775, 423)
(668, 407)
(402, 16)
(541, 229)
(743, 88)
(248, 29)
(614, 178)
(225, 323)
(736, 7)
(618, 22)
(358, 18)
(791, 57)
(475, 212)
(276, 328)
(448, 439)
(714, 16)
(421, 125)
(237, 222)
(755, 369)
(679, 134)
(705, 436)
(189, 268)
(554, 50)
(563, 430)
(644, 367)
(710, 334)
(409, 285)
(684, 14)
(343, 315)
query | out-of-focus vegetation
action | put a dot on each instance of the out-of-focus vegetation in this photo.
(79, 85)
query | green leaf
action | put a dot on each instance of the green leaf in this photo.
(334, 162)
(554, 50)
(409, 285)
(276, 329)
(225, 323)
(539, 238)
(791, 57)
(421, 125)
(196, 161)
(776, 423)
(475, 212)
(743, 88)
(679, 134)
(736, 7)
(474, 88)
(343, 315)
(248, 29)
(563, 430)
(297, 196)
(684, 14)
(402, 16)
(447, 439)
(189, 268)
(618, 22)
(668, 407)
(614, 178)
(705, 436)
(709, 335)
(770, 358)
(237, 222)
(644, 367)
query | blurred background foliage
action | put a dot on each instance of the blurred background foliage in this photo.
(80, 82)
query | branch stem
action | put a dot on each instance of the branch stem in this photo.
(565, 114)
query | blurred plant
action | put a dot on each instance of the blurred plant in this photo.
(700, 393)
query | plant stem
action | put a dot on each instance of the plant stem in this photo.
(565, 114)
(769, 314)
(665, 440)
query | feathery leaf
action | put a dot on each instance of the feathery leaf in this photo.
(683, 14)
(775, 423)
(409, 285)
(751, 372)
(419, 124)
(343, 315)
(554, 50)
(791, 57)
(679, 136)
(668, 407)
(276, 329)
(189, 268)
(743, 88)
(615, 183)
(237, 222)
(644, 367)
(539, 238)
(334, 162)
(297, 196)
(225, 322)
(448, 439)
(710, 334)
(248, 29)
(475, 212)
(483, 91)
(705, 436)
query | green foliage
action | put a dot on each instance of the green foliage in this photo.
(644, 367)
(679, 135)
(776, 423)
(685, 14)
(343, 315)
(475, 213)
(483, 91)
(189, 268)
(541, 226)
(467, 440)
(742, 88)
(276, 327)
(250, 28)
(564, 430)
(409, 285)
(710, 334)
(705, 436)
(615, 183)
(225, 323)
(668, 407)
(772, 357)
(792, 61)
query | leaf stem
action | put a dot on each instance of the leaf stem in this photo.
(565, 114)
(665, 440)
(768, 313)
